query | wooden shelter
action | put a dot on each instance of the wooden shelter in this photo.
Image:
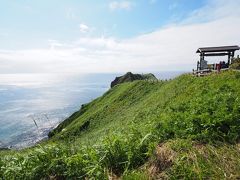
(215, 51)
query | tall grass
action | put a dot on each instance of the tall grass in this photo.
(193, 122)
(113, 156)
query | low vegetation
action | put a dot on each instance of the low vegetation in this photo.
(188, 127)
(235, 63)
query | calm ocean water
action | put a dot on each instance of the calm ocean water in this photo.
(32, 104)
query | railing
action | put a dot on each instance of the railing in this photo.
(205, 72)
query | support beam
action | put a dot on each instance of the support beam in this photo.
(217, 54)
(229, 58)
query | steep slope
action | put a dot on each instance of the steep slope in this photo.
(197, 101)
(187, 127)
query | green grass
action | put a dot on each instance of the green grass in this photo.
(235, 64)
(186, 159)
(188, 127)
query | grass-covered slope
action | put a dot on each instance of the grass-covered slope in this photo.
(185, 106)
(188, 127)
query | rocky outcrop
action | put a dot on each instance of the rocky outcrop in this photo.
(129, 77)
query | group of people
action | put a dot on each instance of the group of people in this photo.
(221, 65)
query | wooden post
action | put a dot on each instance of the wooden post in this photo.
(232, 56)
(202, 56)
(229, 56)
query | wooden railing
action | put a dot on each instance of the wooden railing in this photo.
(205, 72)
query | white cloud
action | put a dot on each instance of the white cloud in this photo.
(84, 28)
(169, 48)
(126, 5)
(215, 9)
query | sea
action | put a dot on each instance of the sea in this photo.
(31, 105)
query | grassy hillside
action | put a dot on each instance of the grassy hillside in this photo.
(188, 127)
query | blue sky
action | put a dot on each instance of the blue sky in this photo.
(30, 23)
(112, 35)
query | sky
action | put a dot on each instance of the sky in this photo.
(112, 36)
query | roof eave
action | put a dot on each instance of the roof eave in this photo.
(204, 49)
